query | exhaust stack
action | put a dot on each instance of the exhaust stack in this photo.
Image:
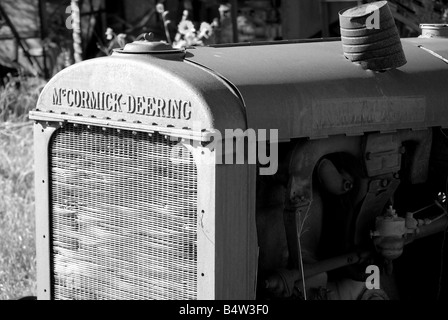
(370, 37)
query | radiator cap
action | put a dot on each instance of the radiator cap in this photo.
(149, 46)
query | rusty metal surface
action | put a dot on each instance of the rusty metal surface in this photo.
(138, 92)
(301, 89)
(311, 90)
(438, 45)
(434, 30)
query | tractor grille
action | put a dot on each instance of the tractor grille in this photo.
(123, 216)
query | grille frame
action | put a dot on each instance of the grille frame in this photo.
(44, 132)
(227, 249)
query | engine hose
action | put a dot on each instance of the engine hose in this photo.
(283, 281)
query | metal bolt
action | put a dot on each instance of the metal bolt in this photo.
(348, 185)
(148, 36)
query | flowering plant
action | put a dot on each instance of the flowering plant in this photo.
(115, 41)
(187, 34)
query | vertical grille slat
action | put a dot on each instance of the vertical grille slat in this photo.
(123, 216)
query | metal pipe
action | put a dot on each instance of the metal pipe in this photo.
(434, 227)
(293, 275)
(332, 180)
(284, 280)
(434, 30)
(336, 263)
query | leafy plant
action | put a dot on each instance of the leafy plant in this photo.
(115, 41)
(187, 34)
(17, 250)
(18, 96)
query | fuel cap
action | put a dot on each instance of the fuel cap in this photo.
(149, 46)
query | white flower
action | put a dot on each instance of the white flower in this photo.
(205, 30)
(160, 8)
(215, 23)
(190, 38)
(109, 34)
(180, 44)
(184, 15)
(186, 27)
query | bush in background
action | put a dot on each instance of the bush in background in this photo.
(17, 247)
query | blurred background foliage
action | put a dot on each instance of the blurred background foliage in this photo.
(52, 34)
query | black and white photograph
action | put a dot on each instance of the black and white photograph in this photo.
(251, 152)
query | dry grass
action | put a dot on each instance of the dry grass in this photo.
(17, 249)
